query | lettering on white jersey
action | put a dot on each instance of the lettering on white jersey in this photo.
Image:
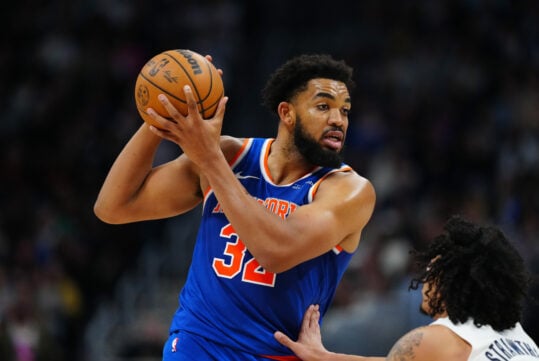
(504, 349)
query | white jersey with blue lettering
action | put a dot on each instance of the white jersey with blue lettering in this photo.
(513, 344)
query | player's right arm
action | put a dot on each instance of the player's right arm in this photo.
(134, 190)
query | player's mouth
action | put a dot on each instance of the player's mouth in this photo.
(333, 139)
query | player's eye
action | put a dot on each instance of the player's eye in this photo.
(322, 106)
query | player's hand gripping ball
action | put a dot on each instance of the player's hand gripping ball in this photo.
(167, 73)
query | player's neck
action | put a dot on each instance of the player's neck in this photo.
(286, 164)
(439, 315)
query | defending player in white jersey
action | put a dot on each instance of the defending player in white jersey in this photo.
(474, 282)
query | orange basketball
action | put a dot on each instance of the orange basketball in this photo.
(167, 73)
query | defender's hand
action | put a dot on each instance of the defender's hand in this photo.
(309, 345)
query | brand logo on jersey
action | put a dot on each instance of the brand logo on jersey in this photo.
(174, 344)
(280, 207)
(298, 186)
(241, 176)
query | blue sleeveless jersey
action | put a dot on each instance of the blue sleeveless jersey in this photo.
(228, 297)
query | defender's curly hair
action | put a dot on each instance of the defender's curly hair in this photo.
(292, 77)
(476, 273)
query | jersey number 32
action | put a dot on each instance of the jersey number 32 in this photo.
(251, 271)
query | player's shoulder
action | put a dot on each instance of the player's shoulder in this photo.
(231, 145)
(344, 173)
(430, 343)
(347, 174)
(349, 181)
(228, 141)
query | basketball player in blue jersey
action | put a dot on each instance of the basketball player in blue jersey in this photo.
(474, 282)
(281, 220)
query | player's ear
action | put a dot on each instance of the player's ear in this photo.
(287, 113)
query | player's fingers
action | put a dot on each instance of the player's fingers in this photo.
(170, 108)
(316, 316)
(317, 313)
(311, 317)
(210, 59)
(283, 339)
(191, 102)
(307, 317)
(159, 132)
(162, 122)
(220, 112)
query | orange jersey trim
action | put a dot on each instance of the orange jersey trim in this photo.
(240, 152)
(314, 188)
(265, 161)
(232, 163)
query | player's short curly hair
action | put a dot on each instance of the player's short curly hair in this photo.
(292, 77)
(476, 273)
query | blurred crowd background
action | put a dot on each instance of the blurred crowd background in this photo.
(445, 120)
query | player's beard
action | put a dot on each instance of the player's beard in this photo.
(312, 151)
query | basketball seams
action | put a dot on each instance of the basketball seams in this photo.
(204, 108)
(216, 102)
(210, 87)
(191, 80)
(151, 82)
(212, 74)
(178, 67)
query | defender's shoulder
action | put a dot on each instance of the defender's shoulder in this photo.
(430, 343)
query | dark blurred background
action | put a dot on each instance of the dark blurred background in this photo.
(445, 120)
